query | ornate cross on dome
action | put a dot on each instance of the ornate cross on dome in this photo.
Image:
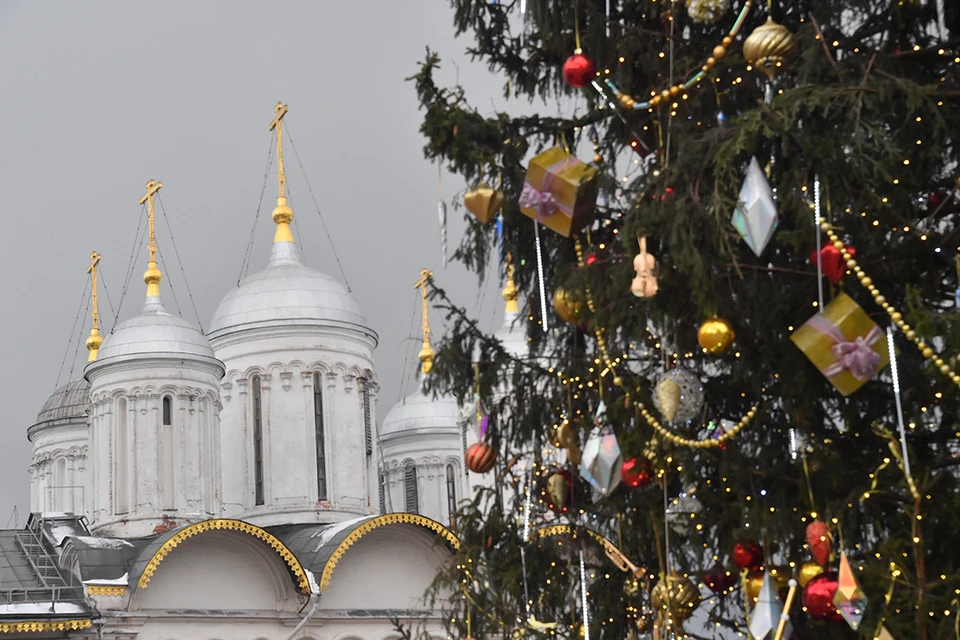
(426, 352)
(94, 341)
(152, 275)
(282, 215)
(276, 125)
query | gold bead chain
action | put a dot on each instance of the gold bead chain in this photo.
(925, 350)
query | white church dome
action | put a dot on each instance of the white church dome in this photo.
(421, 413)
(153, 332)
(286, 293)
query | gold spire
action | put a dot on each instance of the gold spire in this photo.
(152, 275)
(510, 293)
(426, 353)
(282, 215)
(94, 341)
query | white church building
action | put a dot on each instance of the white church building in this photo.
(234, 484)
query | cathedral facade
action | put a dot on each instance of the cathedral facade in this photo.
(235, 484)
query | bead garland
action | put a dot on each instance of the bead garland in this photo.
(881, 300)
(719, 51)
(696, 444)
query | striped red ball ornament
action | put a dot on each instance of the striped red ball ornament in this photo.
(480, 457)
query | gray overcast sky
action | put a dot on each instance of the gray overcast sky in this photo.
(99, 97)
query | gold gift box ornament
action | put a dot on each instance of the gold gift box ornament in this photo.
(844, 344)
(560, 192)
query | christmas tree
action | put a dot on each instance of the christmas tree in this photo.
(737, 260)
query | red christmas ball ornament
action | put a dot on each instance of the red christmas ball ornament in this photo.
(636, 472)
(818, 596)
(579, 70)
(668, 193)
(719, 580)
(748, 555)
(832, 262)
(591, 258)
(818, 539)
(479, 458)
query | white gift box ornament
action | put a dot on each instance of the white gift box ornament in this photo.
(756, 214)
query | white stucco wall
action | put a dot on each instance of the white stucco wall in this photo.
(285, 359)
(59, 473)
(145, 474)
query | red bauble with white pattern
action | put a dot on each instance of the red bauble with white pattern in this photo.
(480, 457)
(579, 70)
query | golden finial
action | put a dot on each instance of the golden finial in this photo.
(94, 341)
(510, 293)
(152, 275)
(426, 353)
(282, 215)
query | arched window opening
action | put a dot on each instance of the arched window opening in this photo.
(451, 496)
(167, 410)
(383, 493)
(319, 436)
(121, 460)
(411, 498)
(257, 440)
(367, 421)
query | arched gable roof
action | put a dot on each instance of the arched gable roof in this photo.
(160, 547)
(320, 547)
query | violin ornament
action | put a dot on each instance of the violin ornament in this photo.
(645, 284)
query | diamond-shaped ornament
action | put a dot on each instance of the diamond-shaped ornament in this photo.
(765, 617)
(756, 214)
(601, 461)
(849, 599)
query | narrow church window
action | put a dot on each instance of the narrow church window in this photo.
(383, 494)
(167, 410)
(318, 428)
(122, 486)
(451, 496)
(411, 499)
(367, 426)
(257, 440)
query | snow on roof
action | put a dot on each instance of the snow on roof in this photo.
(101, 582)
(103, 543)
(41, 608)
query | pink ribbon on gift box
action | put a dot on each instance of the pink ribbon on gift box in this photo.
(544, 202)
(855, 356)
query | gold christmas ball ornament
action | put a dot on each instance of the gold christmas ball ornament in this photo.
(769, 47)
(808, 571)
(566, 307)
(707, 11)
(716, 335)
(754, 582)
(677, 591)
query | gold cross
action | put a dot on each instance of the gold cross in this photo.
(152, 189)
(94, 341)
(426, 353)
(280, 110)
(92, 270)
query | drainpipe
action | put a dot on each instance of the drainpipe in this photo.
(304, 622)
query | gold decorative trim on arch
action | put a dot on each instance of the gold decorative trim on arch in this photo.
(376, 523)
(42, 626)
(226, 525)
(106, 590)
